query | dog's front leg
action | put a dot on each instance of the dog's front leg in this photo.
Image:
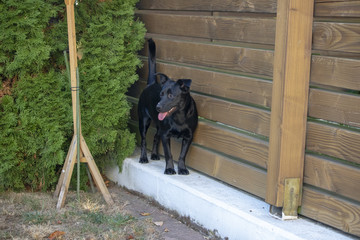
(186, 142)
(169, 169)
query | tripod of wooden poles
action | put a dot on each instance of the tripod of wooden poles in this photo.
(78, 149)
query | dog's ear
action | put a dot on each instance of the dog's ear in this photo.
(163, 78)
(184, 84)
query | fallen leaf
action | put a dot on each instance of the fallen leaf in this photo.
(159, 224)
(166, 230)
(130, 237)
(55, 235)
(145, 214)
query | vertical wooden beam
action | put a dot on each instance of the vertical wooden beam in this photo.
(70, 14)
(289, 96)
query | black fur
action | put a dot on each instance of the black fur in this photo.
(173, 110)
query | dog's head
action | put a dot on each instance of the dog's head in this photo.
(172, 96)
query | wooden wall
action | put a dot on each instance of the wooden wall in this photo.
(227, 48)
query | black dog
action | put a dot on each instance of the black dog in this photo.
(173, 110)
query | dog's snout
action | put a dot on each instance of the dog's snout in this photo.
(158, 107)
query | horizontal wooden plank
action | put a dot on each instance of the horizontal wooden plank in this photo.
(232, 143)
(337, 107)
(333, 141)
(263, 6)
(218, 166)
(332, 176)
(336, 37)
(336, 8)
(337, 72)
(331, 210)
(236, 87)
(244, 117)
(244, 29)
(246, 60)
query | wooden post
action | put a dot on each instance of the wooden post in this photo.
(66, 173)
(289, 97)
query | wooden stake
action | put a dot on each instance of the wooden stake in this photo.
(289, 96)
(65, 177)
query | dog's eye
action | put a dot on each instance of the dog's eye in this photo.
(170, 96)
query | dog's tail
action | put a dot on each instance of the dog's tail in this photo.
(151, 62)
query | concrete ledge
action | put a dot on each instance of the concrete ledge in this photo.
(213, 205)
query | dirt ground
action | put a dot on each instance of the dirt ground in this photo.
(34, 216)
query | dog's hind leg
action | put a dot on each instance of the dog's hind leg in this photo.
(155, 149)
(184, 149)
(169, 169)
(144, 124)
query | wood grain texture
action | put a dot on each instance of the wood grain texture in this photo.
(331, 71)
(331, 210)
(246, 60)
(244, 117)
(323, 8)
(329, 36)
(337, 72)
(268, 6)
(336, 8)
(333, 141)
(289, 96)
(244, 29)
(337, 107)
(226, 85)
(332, 176)
(336, 36)
(232, 143)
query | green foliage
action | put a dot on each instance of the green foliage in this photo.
(36, 118)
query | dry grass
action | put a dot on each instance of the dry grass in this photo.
(34, 216)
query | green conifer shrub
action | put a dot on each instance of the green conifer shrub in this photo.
(36, 115)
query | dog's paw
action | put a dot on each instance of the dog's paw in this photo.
(155, 156)
(143, 160)
(170, 171)
(183, 171)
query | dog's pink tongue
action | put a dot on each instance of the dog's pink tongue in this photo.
(161, 116)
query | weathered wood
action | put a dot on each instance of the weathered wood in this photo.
(244, 117)
(290, 96)
(333, 141)
(226, 85)
(337, 72)
(235, 173)
(331, 210)
(332, 176)
(336, 36)
(336, 8)
(244, 29)
(268, 6)
(337, 107)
